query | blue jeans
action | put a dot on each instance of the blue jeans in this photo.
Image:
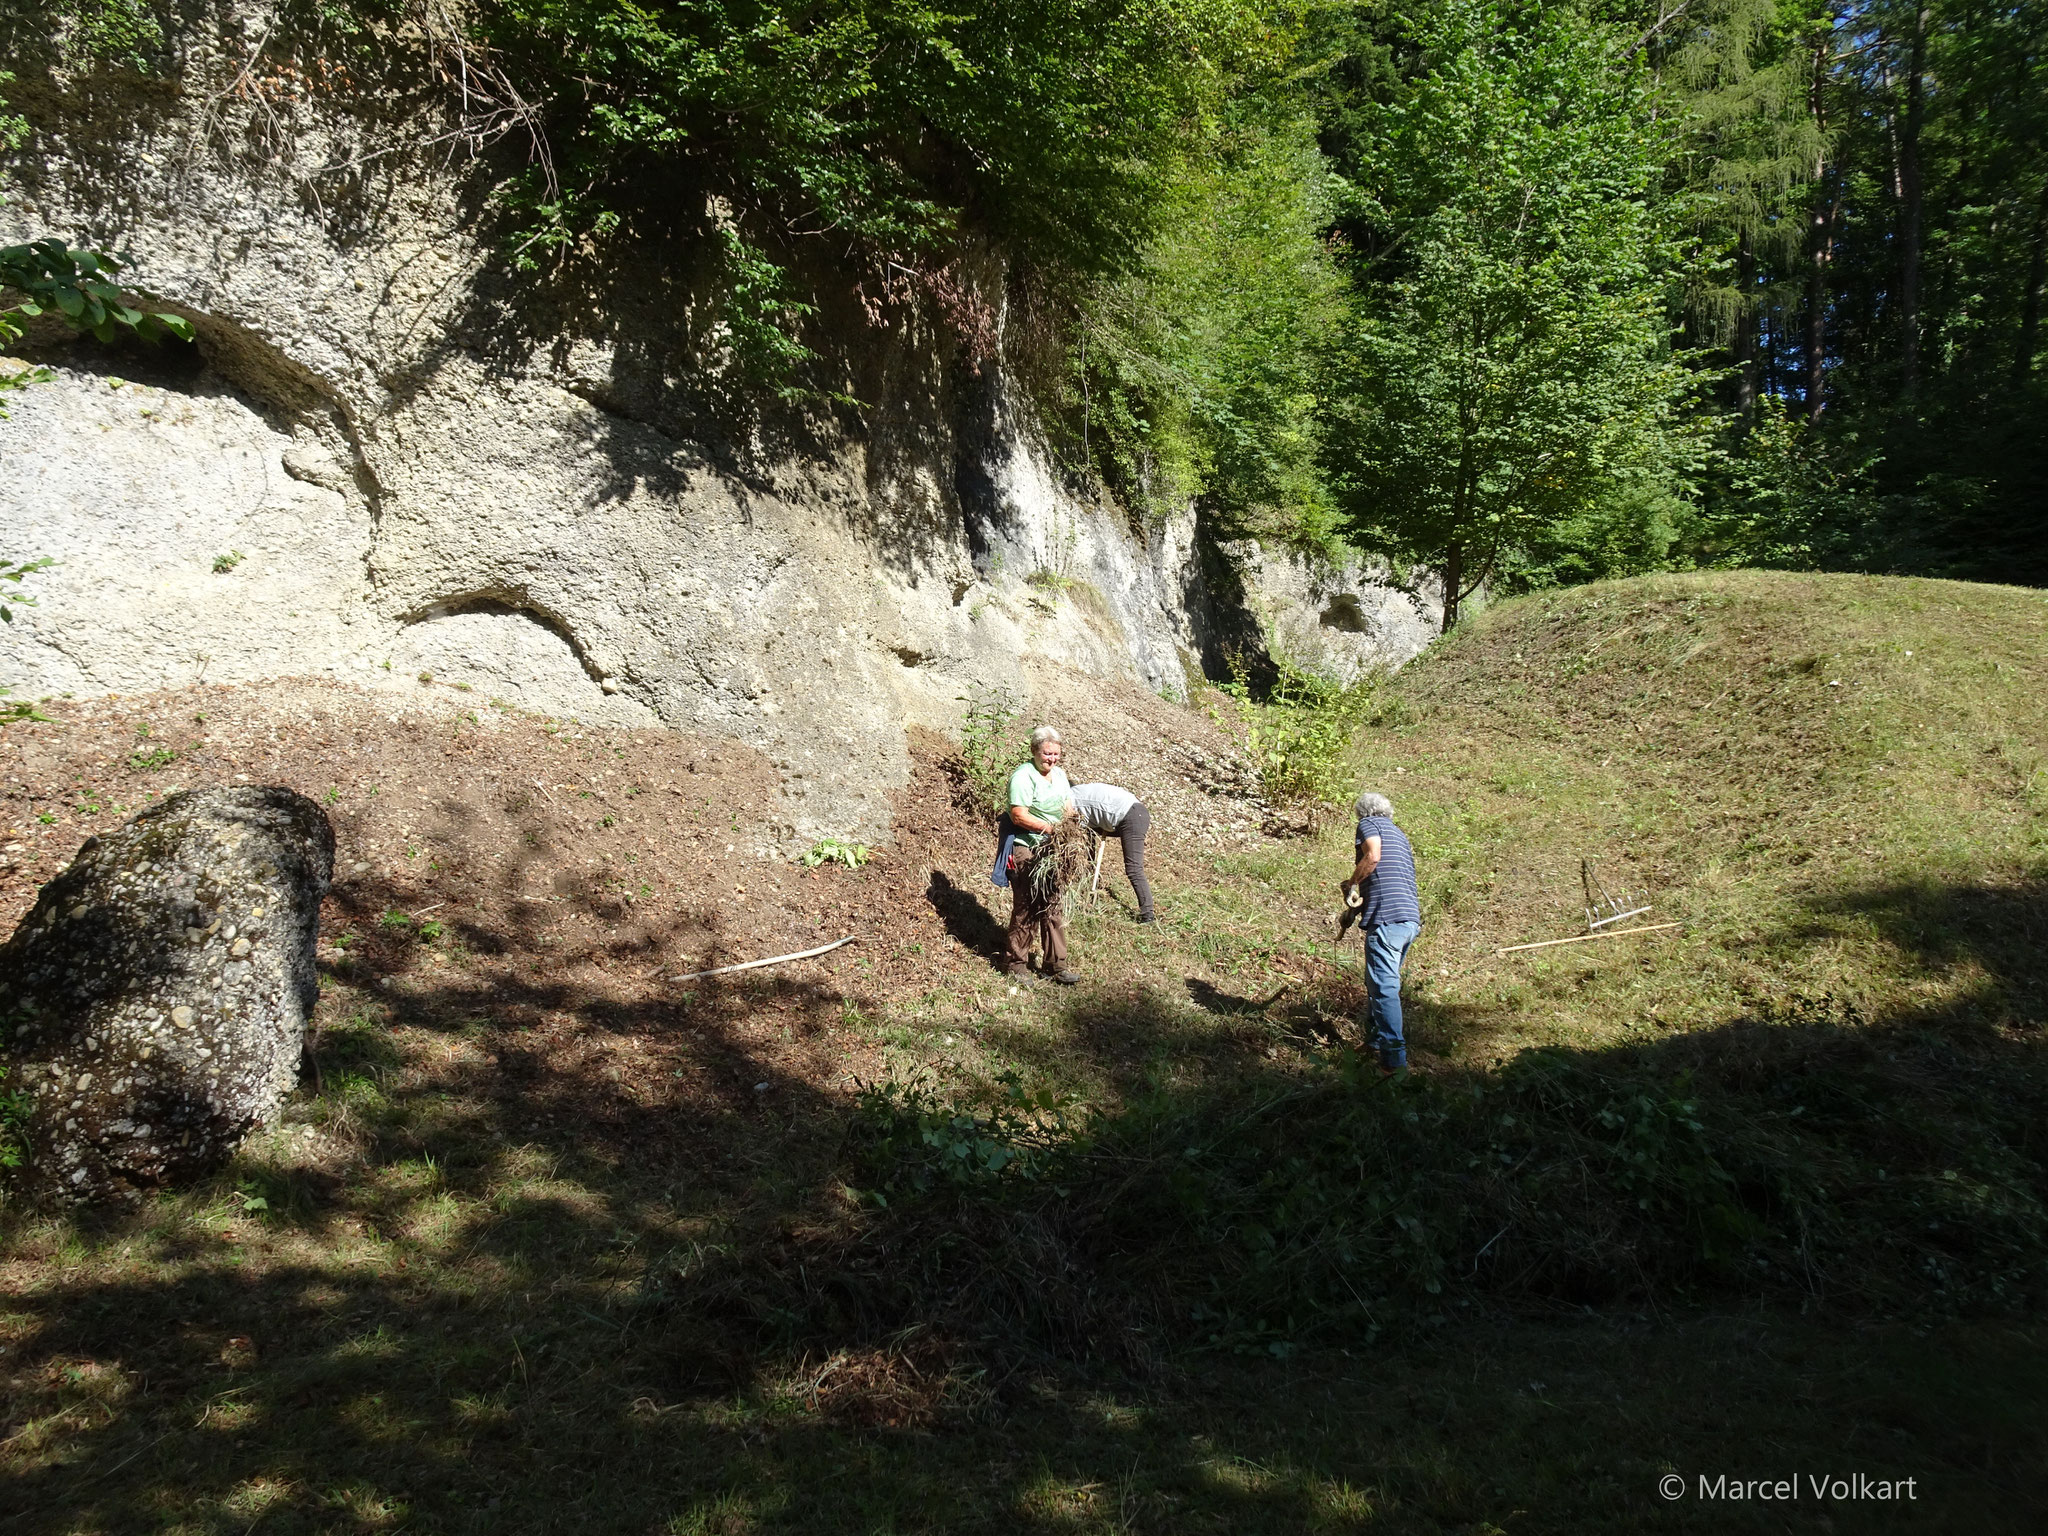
(1386, 947)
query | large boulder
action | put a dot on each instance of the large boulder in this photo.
(153, 1004)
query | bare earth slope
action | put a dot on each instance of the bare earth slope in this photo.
(568, 871)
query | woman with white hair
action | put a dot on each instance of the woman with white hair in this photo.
(1040, 799)
(1390, 914)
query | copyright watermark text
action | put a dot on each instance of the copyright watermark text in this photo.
(1805, 1488)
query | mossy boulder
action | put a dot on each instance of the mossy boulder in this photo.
(153, 1005)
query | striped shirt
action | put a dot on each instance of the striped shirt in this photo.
(1390, 893)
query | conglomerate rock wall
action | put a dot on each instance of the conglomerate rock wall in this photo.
(391, 457)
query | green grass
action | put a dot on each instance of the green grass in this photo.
(1763, 1197)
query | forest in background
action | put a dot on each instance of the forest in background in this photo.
(1523, 292)
(1578, 290)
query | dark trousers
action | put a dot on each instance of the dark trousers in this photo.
(1034, 911)
(1131, 833)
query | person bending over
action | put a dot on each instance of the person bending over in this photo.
(1113, 812)
(1391, 917)
(1040, 799)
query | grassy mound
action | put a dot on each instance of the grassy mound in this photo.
(1837, 783)
(1826, 1084)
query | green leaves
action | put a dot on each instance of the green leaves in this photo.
(1202, 365)
(910, 1142)
(993, 741)
(891, 126)
(12, 575)
(80, 286)
(1512, 358)
(832, 850)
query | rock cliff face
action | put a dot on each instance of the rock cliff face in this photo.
(1343, 621)
(387, 460)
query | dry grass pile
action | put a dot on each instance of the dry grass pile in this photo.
(1061, 869)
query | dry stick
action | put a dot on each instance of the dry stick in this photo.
(749, 965)
(1612, 933)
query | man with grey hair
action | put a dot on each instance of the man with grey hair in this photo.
(1390, 915)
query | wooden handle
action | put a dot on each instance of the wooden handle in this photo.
(1612, 933)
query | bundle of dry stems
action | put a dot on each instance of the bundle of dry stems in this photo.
(1061, 868)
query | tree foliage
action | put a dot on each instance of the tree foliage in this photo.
(1510, 361)
(883, 130)
(1896, 311)
(1199, 371)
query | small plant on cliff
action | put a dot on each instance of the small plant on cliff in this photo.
(992, 743)
(12, 575)
(80, 288)
(124, 33)
(830, 850)
(13, 1115)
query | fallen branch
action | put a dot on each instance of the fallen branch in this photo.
(1612, 933)
(749, 965)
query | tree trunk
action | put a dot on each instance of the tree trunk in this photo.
(1745, 330)
(1821, 252)
(2030, 310)
(1815, 344)
(1454, 580)
(1910, 199)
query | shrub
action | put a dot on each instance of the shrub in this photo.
(993, 742)
(1268, 1213)
(908, 1141)
(1298, 736)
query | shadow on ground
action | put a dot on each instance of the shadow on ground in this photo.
(967, 918)
(543, 1298)
(1997, 933)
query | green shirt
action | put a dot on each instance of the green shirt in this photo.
(1044, 795)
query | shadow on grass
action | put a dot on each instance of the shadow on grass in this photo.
(1212, 999)
(1998, 930)
(968, 918)
(542, 1299)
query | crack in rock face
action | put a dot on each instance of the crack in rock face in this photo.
(153, 1004)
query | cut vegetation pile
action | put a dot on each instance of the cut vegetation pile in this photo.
(557, 1244)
